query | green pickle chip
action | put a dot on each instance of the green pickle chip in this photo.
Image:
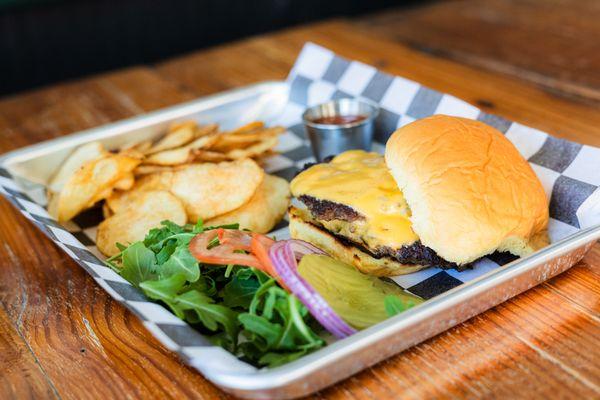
(357, 298)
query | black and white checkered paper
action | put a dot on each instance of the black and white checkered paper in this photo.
(569, 172)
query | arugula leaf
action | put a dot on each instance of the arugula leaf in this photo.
(225, 226)
(199, 227)
(229, 301)
(273, 360)
(139, 264)
(166, 290)
(296, 317)
(224, 340)
(239, 292)
(163, 255)
(172, 226)
(211, 315)
(258, 297)
(261, 326)
(394, 305)
(296, 332)
(181, 262)
(269, 305)
(156, 235)
(203, 285)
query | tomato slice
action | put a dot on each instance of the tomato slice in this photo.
(240, 240)
(259, 246)
(223, 253)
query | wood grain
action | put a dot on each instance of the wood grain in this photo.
(64, 337)
(73, 106)
(552, 43)
(20, 374)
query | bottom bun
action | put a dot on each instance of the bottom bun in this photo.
(345, 252)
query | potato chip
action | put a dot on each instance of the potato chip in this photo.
(180, 136)
(139, 147)
(52, 203)
(249, 127)
(170, 157)
(147, 169)
(232, 141)
(133, 223)
(254, 150)
(181, 125)
(209, 156)
(143, 147)
(205, 130)
(133, 153)
(181, 155)
(80, 156)
(264, 210)
(106, 211)
(125, 183)
(119, 200)
(208, 190)
(91, 183)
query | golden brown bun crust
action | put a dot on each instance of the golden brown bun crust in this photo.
(302, 228)
(469, 189)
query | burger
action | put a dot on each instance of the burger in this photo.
(447, 192)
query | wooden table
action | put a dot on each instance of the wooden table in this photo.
(62, 336)
(553, 43)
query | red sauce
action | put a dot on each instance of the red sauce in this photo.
(339, 119)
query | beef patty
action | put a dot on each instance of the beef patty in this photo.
(415, 253)
(327, 210)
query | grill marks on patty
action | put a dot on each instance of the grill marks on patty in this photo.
(419, 254)
(415, 253)
(328, 210)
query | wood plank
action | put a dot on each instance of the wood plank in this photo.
(58, 110)
(271, 57)
(511, 351)
(20, 374)
(553, 43)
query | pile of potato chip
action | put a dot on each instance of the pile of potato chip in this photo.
(187, 142)
(193, 172)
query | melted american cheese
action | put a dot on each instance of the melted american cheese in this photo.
(362, 181)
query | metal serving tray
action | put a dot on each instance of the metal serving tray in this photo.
(24, 172)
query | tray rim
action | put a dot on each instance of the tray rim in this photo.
(272, 379)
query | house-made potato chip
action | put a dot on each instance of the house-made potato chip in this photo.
(133, 223)
(264, 210)
(208, 190)
(91, 183)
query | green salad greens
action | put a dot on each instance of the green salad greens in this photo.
(239, 308)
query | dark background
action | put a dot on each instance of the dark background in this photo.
(44, 41)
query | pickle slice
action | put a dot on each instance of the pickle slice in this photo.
(357, 298)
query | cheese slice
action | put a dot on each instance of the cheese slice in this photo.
(361, 180)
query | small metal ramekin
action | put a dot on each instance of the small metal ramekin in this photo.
(332, 139)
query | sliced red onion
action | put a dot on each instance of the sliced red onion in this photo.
(284, 255)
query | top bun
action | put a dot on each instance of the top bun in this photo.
(469, 190)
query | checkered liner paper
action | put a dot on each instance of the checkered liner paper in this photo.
(570, 173)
